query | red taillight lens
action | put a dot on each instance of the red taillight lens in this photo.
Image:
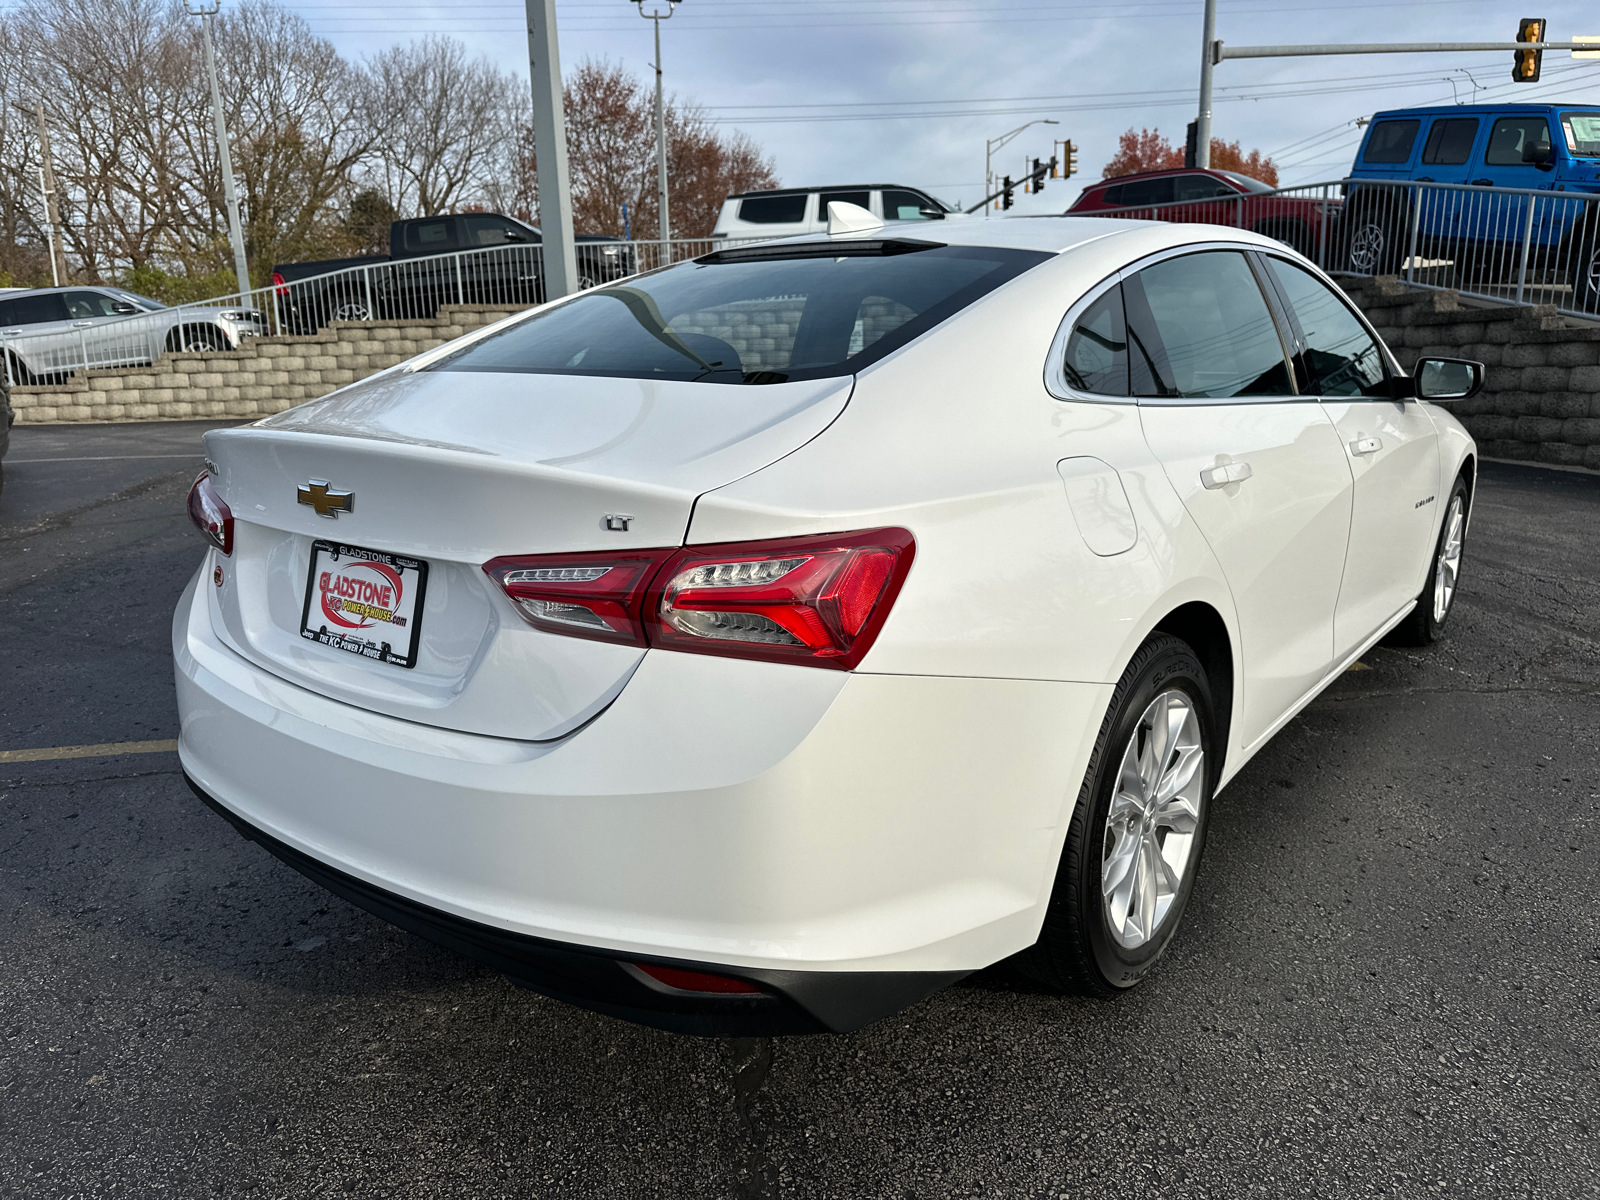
(591, 595)
(697, 981)
(277, 283)
(210, 515)
(818, 601)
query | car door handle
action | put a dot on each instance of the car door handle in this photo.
(1483, 183)
(9, 332)
(82, 324)
(1215, 477)
(1366, 445)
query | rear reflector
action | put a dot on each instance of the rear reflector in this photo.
(591, 595)
(814, 601)
(211, 516)
(697, 981)
(818, 601)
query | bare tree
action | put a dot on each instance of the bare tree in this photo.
(445, 124)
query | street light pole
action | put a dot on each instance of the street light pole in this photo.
(556, 251)
(1202, 131)
(230, 192)
(993, 144)
(661, 127)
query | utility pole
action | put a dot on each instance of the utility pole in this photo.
(661, 127)
(550, 152)
(52, 203)
(989, 147)
(1202, 129)
(230, 192)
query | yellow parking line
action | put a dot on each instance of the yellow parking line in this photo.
(100, 750)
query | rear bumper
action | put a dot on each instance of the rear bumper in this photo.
(849, 842)
(792, 1002)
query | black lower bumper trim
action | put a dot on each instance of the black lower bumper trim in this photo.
(792, 1002)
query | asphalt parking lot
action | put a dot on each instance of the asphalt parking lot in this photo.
(1388, 983)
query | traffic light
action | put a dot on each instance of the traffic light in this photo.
(1006, 197)
(1072, 159)
(1525, 63)
(1036, 177)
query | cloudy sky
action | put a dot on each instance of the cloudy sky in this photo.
(843, 91)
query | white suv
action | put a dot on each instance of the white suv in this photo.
(784, 211)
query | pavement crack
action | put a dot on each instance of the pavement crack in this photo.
(755, 1176)
(1383, 693)
(8, 785)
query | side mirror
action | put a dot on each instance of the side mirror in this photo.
(931, 214)
(122, 308)
(515, 235)
(1539, 155)
(1445, 380)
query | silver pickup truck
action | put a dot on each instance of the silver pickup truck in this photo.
(48, 333)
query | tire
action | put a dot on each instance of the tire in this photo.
(1424, 625)
(1586, 269)
(349, 306)
(1371, 236)
(190, 339)
(1093, 940)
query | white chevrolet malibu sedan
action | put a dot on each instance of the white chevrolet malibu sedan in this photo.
(759, 644)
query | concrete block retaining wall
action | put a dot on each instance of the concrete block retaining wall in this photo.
(1541, 396)
(1541, 402)
(267, 376)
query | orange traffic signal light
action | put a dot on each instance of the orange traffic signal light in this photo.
(1525, 63)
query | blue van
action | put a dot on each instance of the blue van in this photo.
(1532, 147)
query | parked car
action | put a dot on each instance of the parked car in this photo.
(48, 333)
(8, 418)
(763, 643)
(469, 258)
(783, 212)
(1213, 198)
(1553, 148)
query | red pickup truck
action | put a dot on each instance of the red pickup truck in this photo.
(1209, 197)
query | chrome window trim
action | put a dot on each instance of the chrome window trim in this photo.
(1055, 378)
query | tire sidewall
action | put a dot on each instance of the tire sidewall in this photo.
(1173, 665)
(1434, 628)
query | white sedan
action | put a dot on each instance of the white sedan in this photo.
(762, 643)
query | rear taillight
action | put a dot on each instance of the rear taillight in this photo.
(590, 595)
(278, 284)
(818, 601)
(211, 516)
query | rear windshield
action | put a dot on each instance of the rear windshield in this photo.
(1391, 141)
(1583, 133)
(761, 320)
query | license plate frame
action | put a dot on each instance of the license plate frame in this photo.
(369, 580)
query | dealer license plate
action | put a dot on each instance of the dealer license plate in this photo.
(366, 602)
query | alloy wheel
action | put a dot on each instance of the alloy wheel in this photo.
(1153, 817)
(1366, 247)
(350, 310)
(1449, 564)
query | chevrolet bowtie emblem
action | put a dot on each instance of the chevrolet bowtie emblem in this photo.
(324, 499)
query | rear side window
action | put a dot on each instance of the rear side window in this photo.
(1514, 140)
(862, 199)
(773, 210)
(1199, 327)
(1583, 133)
(1450, 141)
(1140, 192)
(33, 310)
(1341, 355)
(1391, 141)
(431, 235)
(751, 319)
(1096, 359)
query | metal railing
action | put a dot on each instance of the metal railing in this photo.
(1515, 245)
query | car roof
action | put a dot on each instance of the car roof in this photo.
(1476, 110)
(1156, 173)
(66, 287)
(831, 187)
(1052, 234)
